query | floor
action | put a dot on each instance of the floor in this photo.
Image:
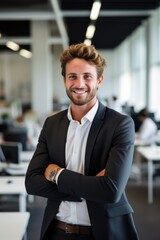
(146, 216)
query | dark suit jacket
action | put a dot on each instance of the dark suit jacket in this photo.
(110, 145)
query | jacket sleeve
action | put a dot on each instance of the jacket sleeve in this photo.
(110, 187)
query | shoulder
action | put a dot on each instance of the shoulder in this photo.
(113, 115)
(57, 116)
(56, 119)
(114, 120)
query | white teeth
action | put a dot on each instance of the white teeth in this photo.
(79, 92)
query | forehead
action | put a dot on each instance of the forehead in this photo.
(80, 65)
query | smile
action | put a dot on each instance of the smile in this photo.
(80, 91)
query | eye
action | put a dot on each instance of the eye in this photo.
(87, 76)
(72, 76)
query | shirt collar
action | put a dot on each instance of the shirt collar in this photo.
(89, 115)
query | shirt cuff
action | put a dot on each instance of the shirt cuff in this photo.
(57, 175)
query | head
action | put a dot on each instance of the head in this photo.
(143, 114)
(82, 51)
(82, 69)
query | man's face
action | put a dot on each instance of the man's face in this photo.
(81, 81)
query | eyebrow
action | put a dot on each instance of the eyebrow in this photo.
(82, 73)
(71, 74)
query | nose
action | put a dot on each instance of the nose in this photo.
(80, 82)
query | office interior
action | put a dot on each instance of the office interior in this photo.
(31, 89)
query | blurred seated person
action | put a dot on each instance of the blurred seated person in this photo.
(137, 122)
(33, 129)
(148, 128)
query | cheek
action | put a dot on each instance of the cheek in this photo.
(67, 85)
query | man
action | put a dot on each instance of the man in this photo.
(83, 159)
(148, 129)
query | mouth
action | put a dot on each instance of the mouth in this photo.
(79, 91)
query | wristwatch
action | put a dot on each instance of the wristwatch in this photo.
(53, 173)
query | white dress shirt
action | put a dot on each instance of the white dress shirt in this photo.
(76, 212)
(147, 131)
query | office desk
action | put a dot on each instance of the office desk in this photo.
(14, 185)
(13, 225)
(151, 153)
(139, 142)
(18, 169)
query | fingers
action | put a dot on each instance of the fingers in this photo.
(101, 173)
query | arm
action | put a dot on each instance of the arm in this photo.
(110, 187)
(58, 169)
(35, 181)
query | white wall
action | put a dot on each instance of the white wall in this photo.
(59, 90)
(15, 71)
(106, 89)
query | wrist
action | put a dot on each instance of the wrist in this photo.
(53, 174)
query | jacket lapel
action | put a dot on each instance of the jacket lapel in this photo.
(95, 128)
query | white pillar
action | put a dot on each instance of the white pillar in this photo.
(42, 83)
(6, 77)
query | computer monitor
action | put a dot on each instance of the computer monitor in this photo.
(10, 152)
(17, 134)
(2, 157)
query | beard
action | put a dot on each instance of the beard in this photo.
(81, 100)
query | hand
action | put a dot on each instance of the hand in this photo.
(48, 170)
(101, 173)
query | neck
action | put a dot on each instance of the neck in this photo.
(78, 112)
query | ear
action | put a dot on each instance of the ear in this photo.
(100, 80)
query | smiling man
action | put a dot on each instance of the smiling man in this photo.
(81, 82)
(83, 159)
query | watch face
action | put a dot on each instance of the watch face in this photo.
(51, 175)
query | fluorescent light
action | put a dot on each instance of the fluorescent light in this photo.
(25, 53)
(95, 10)
(88, 42)
(12, 45)
(90, 31)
